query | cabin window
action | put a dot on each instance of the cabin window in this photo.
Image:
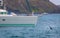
(3, 13)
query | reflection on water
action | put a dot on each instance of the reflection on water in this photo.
(48, 26)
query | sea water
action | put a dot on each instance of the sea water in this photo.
(48, 26)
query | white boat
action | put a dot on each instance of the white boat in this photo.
(10, 20)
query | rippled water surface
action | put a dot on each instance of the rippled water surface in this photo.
(48, 26)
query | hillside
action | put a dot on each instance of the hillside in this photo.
(37, 6)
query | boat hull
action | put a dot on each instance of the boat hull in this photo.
(18, 20)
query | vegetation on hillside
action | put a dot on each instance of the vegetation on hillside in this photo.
(28, 6)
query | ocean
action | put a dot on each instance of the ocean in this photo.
(48, 26)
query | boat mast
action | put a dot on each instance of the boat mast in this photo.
(29, 7)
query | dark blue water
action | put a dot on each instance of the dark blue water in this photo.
(48, 26)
